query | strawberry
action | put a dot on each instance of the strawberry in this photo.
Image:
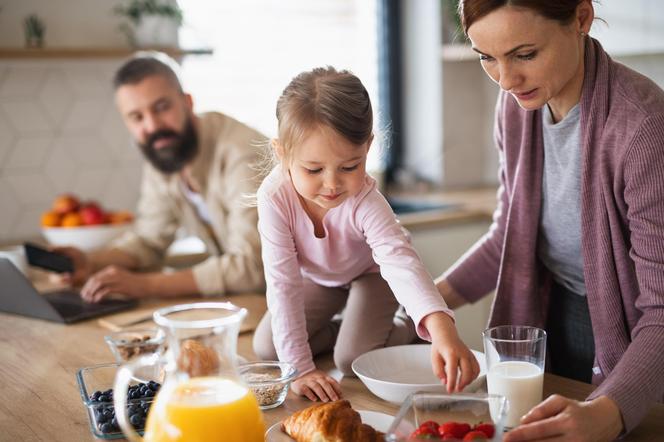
(475, 436)
(487, 429)
(456, 429)
(448, 436)
(424, 433)
(430, 424)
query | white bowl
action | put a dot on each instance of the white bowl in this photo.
(392, 373)
(84, 237)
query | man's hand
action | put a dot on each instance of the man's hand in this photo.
(559, 419)
(114, 279)
(82, 266)
(316, 385)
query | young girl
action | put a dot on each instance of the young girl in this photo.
(331, 242)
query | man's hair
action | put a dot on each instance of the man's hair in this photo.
(146, 64)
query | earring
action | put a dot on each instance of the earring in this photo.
(583, 34)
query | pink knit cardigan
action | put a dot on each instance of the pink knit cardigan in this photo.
(622, 226)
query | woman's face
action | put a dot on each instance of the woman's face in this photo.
(535, 59)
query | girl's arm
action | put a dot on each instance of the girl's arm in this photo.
(284, 281)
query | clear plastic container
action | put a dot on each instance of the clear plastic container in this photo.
(269, 381)
(100, 378)
(469, 408)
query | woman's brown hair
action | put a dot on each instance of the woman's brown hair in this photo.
(324, 97)
(560, 10)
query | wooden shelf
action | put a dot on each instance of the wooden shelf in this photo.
(458, 52)
(89, 52)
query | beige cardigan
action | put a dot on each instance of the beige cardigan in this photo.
(226, 171)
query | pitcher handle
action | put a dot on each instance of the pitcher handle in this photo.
(125, 374)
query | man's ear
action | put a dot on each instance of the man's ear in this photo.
(189, 101)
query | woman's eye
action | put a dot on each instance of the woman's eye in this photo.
(528, 56)
(350, 169)
(312, 171)
(485, 57)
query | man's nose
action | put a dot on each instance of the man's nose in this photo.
(151, 124)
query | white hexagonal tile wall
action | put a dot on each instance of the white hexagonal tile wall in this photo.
(30, 188)
(123, 189)
(6, 138)
(21, 82)
(56, 97)
(61, 167)
(28, 153)
(85, 150)
(10, 211)
(83, 115)
(91, 183)
(27, 225)
(87, 82)
(27, 117)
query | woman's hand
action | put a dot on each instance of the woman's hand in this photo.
(114, 279)
(559, 419)
(316, 385)
(449, 354)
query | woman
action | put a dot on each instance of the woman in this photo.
(577, 243)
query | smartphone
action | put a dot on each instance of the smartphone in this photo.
(40, 257)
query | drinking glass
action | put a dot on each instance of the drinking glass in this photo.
(515, 357)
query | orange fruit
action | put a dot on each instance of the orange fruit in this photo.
(72, 220)
(121, 217)
(65, 204)
(50, 219)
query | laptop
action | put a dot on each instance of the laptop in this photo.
(18, 296)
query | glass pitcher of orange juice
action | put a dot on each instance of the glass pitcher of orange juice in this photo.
(202, 397)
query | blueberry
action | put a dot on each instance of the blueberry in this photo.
(106, 428)
(109, 392)
(102, 398)
(149, 393)
(95, 395)
(135, 420)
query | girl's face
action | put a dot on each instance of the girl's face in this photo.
(535, 59)
(326, 169)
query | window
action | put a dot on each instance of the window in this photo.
(260, 45)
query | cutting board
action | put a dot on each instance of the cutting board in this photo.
(141, 317)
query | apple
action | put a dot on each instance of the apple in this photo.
(66, 203)
(92, 214)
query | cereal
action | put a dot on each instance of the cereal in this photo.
(265, 394)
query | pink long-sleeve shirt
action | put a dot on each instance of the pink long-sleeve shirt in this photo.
(362, 235)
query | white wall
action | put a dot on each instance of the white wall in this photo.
(69, 23)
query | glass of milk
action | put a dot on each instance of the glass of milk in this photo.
(515, 367)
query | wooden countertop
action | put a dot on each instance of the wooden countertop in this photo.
(41, 400)
(469, 205)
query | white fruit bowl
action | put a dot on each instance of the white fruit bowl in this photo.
(393, 373)
(84, 237)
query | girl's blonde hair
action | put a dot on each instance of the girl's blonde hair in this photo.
(323, 97)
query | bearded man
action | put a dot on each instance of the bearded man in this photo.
(199, 171)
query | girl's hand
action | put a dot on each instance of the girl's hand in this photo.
(317, 385)
(561, 419)
(449, 354)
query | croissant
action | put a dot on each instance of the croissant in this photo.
(330, 422)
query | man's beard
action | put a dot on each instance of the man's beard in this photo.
(172, 158)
